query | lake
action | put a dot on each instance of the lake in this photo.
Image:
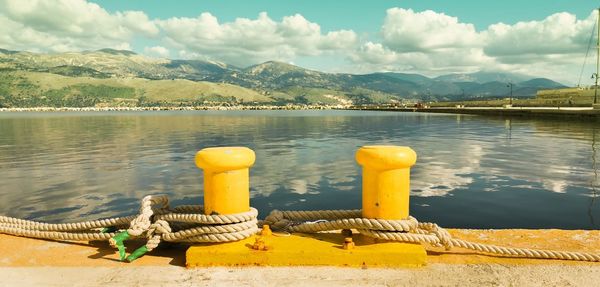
(471, 171)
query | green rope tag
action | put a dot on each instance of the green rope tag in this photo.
(119, 238)
(122, 236)
(137, 253)
(109, 229)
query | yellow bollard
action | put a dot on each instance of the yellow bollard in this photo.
(386, 180)
(382, 166)
(226, 178)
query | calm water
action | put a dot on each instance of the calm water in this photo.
(471, 172)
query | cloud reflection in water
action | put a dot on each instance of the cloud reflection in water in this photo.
(70, 166)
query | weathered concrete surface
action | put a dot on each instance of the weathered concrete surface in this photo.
(432, 275)
(31, 262)
(554, 239)
(19, 251)
(28, 252)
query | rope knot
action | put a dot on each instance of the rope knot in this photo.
(159, 227)
(443, 235)
(276, 221)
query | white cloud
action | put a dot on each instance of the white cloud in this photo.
(434, 43)
(404, 30)
(68, 25)
(375, 53)
(377, 57)
(425, 42)
(553, 47)
(157, 51)
(249, 41)
(559, 33)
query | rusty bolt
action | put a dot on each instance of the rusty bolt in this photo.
(348, 244)
(266, 230)
(259, 244)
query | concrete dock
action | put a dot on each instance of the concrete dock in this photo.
(28, 262)
(553, 112)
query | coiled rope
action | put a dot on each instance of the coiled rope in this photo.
(155, 221)
(407, 230)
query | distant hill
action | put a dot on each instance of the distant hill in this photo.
(541, 83)
(484, 77)
(33, 89)
(117, 52)
(415, 78)
(273, 82)
(276, 69)
(197, 69)
(8, 52)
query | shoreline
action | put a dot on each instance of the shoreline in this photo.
(518, 112)
(184, 108)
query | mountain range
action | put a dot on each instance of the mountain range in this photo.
(122, 77)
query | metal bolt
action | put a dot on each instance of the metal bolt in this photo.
(266, 230)
(259, 244)
(348, 244)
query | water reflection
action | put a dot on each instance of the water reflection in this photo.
(594, 180)
(470, 171)
(508, 128)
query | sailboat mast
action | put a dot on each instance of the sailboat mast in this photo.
(597, 57)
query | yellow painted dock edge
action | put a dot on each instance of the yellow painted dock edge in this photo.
(322, 249)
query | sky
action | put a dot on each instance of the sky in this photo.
(540, 38)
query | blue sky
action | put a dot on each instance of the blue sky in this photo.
(541, 38)
(363, 16)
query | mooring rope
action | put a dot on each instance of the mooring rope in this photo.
(406, 230)
(187, 223)
(156, 222)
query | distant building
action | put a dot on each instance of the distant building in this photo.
(565, 93)
(576, 95)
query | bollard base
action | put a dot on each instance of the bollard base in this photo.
(322, 249)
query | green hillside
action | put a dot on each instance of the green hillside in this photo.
(35, 89)
(118, 77)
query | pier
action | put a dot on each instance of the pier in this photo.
(555, 112)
